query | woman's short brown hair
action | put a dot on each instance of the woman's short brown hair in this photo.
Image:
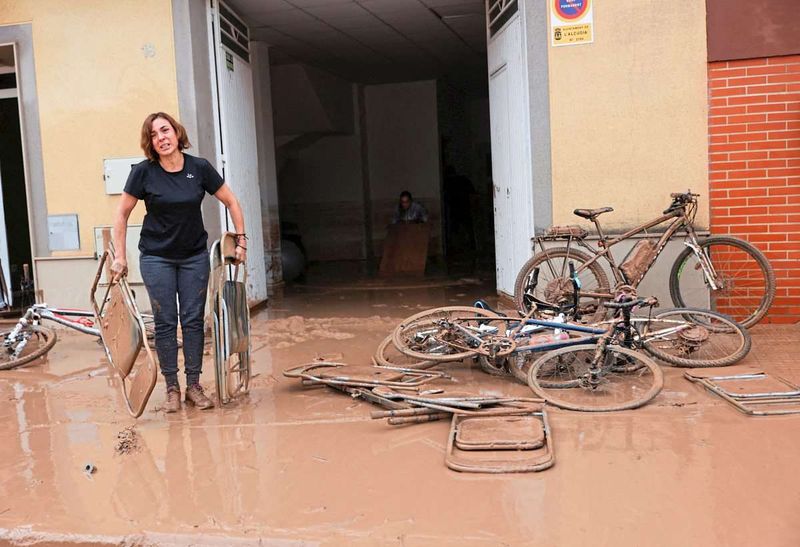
(147, 130)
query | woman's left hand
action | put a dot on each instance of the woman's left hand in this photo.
(241, 255)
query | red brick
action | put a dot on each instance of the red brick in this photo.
(749, 155)
(794, 227)
(792, 67)
(793, 77)
(715, 73)
(717, 84)
(737, 202)
(784, 98)
(747, 192)
(754, 80)
(746, 174)
(747, 99)
(772, 200)
(772, 107)
(717, 139)
(793, 163)
(730, 147)
(784, 154)
(763, 183)
(747, 118)
(722, 120)
(728, 91)
(783, 59)
(793, 172)
(725, 129)
(745, 211)
(771, 126)
(782, 116)
(717, 157)
(784, 135)
(758, 70)
(786, 191)
(714, 194)
(727, 110)
(727, 166)
(766, 237)
(793, 87)
(766, 145)
(767, 219)
(783, 246)
(749, 229)
(794, 209)
(722, 101)
(759, 89)
(793, 125)
(758, 164)
(747, 62)
(746, 137)
(717, 175)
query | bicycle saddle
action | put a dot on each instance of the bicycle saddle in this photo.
(592, 213)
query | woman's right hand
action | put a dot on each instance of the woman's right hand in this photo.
(119, 269)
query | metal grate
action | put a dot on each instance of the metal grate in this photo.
(233, 33)
(498, 12)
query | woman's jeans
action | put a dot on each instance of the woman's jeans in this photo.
(186, 279)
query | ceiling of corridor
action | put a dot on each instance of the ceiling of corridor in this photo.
(375, 41)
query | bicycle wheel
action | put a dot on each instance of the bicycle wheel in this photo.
(557, 374)
(747, 280)
(387, 356)
(38, 341)
(695, 338)
(554, 285)
(627, 379)
(423, 337)
(494, 367)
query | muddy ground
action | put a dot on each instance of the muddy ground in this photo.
(288, 466)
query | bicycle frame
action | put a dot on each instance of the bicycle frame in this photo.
(678, 219)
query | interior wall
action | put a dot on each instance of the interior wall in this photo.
(628, 113)
(94, 92)
(320, 190)
(403, 142)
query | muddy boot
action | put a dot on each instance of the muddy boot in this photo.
(196, 397)
(173, 402)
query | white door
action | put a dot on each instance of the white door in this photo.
(236, 135)
(501, 174)
(511, 159)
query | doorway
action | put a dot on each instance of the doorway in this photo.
(15, 237)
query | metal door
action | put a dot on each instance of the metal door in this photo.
(511, 158)
(236, 134)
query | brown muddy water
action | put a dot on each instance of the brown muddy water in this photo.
(293, 466)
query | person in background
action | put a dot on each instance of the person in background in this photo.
(174, 258)
(409, 211)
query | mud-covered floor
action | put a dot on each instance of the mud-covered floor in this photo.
(289, 466)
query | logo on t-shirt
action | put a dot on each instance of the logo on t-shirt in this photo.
(189, 176)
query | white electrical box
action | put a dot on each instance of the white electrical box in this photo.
(116, 171)
(62, 233)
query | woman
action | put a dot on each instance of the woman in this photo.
(174, 258)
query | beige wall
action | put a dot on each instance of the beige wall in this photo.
(628, 113)
(101, 67)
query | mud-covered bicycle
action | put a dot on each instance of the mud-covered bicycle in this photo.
(721, 273)
(26, 339)
(681, 337)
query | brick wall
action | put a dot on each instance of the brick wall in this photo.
(754, 165)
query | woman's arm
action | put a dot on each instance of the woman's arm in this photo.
(119, 267)
(226, 196)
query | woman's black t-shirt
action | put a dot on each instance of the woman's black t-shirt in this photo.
(173, 226)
